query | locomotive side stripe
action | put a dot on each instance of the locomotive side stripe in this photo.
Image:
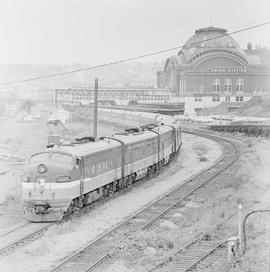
(102, 179)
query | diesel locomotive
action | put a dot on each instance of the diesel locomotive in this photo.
(65, 177)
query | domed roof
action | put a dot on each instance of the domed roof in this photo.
(211, 37)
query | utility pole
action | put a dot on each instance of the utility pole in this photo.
(240, 226)
(268, 249)
(55, 98)
(95, 108)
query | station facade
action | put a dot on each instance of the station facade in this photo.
(212, 68)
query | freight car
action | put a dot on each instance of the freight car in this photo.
(66, 177)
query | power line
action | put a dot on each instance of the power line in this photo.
(130, 59)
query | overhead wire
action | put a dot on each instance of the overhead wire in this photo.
(131, 58)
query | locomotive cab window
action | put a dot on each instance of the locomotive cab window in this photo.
(78, 160)
(40, 157)
(61, 158)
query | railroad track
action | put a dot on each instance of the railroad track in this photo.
(102, 250)
(197, 250)
(20, 234)
(189, 257)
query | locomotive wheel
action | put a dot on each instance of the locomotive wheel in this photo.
(110, 188)
(122, 183)
(130, 180)
(119, 184)
(114, 186)
(125, 182)
(105, 192)
(133, 178)
(80, 202)
(161, 164)
(149, 171)
(70, 210)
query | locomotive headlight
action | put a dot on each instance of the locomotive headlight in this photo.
(41, 182)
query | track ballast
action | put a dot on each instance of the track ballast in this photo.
(102, 251)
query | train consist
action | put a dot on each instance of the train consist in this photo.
(65, 177)
(249, 126)
(251, 122)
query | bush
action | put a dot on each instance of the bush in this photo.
(249, 144)
(203, 159)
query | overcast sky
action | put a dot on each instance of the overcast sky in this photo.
(98, 31)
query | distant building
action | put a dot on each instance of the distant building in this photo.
(160, 79)
(211, 68)
(118, 96)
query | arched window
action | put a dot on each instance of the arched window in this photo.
(170, 78)
(240, 85)
(228, 85)
(216, 85)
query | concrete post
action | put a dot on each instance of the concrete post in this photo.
(232, 244)
(95, 108)
(112, 128)
(268, 248)
(240, 230)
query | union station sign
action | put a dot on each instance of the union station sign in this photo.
(228, 70)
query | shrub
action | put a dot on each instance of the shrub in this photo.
(249, 144)
(203, 159)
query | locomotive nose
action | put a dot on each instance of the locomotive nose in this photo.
(47, 172)
(41, 183)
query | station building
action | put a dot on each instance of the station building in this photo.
(212, 68)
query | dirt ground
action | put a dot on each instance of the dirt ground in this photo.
(248, 182)
(65, 238)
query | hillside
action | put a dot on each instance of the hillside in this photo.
(118, 75)
(257, 107)
(219, 109)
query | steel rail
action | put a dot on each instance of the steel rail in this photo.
(14, 228)
(193, 190)
(25, 235)
(207, 252)
(21, 227)
(72, 262)
(148, 224)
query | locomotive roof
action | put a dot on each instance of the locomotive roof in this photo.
(141, 135)
(83, 149)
